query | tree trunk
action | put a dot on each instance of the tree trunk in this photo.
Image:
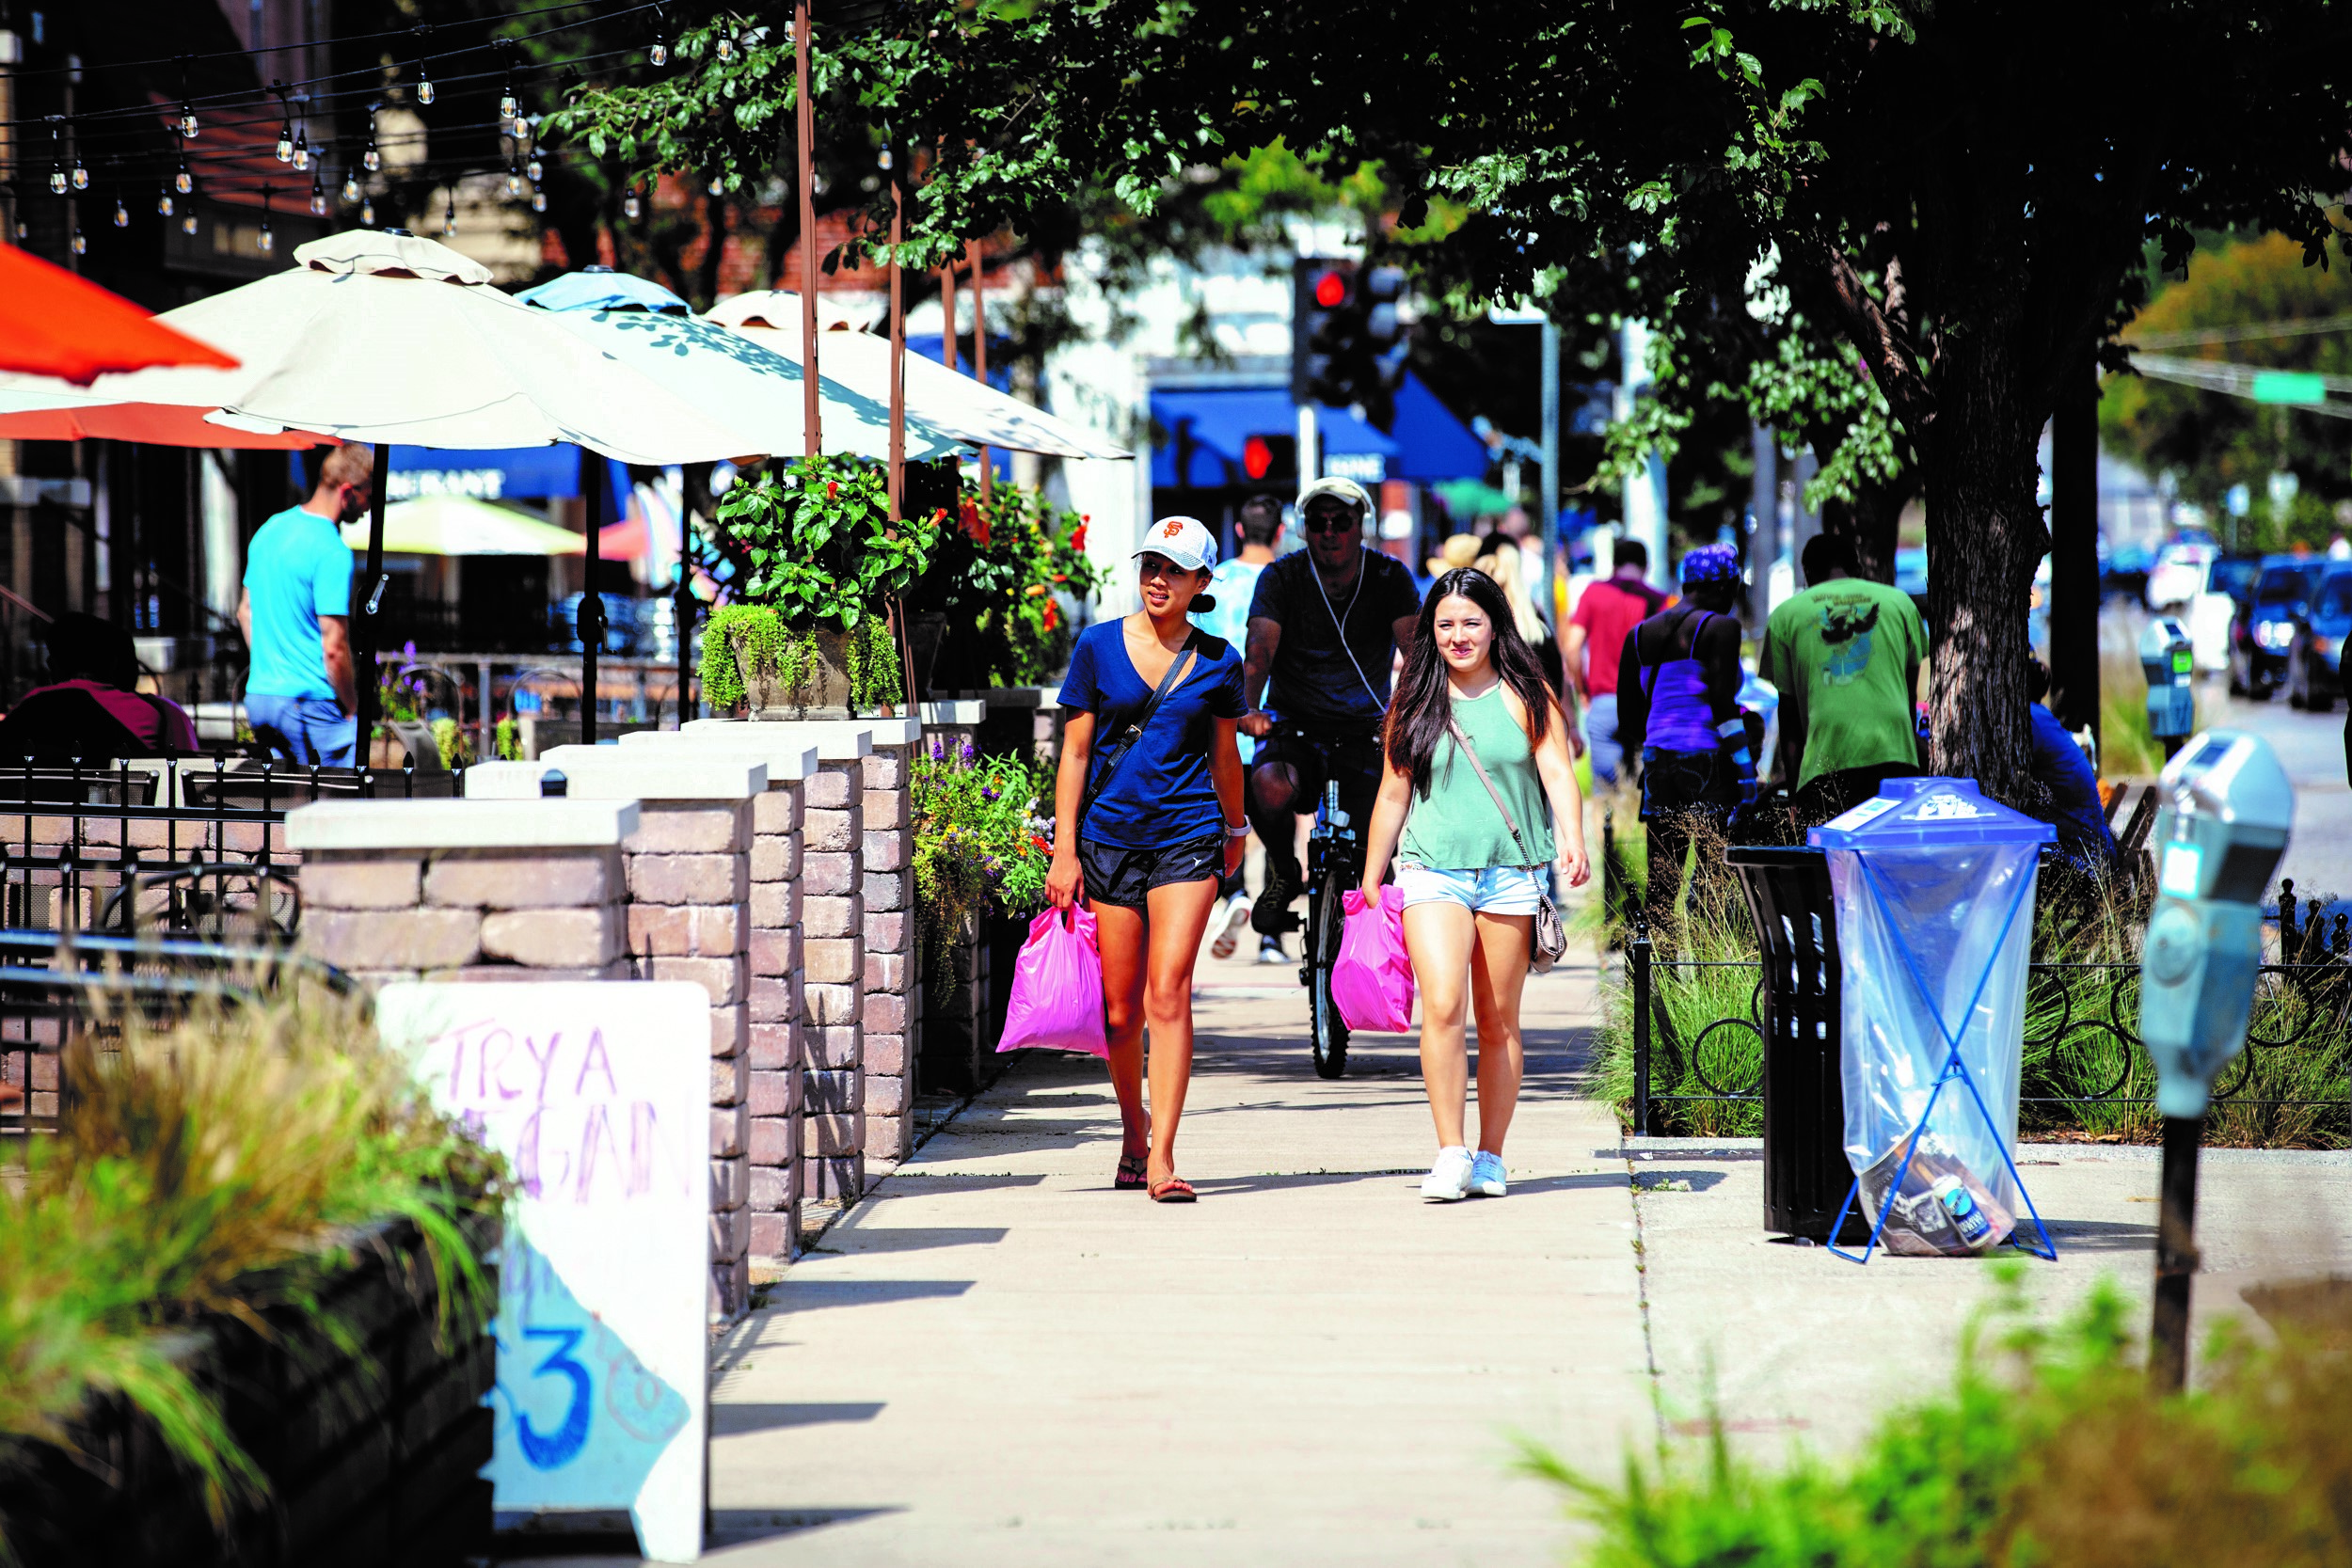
(1985, 537)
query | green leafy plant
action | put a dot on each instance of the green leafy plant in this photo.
(2048, 1448)
(506, 739)
(978, 840)
(215, 1169)
(822, 550)
(455, 746)
(761, 633)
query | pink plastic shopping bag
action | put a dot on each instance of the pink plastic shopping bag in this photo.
(1056, 999)
(1372, 980)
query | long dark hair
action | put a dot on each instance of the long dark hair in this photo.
(1422, 703)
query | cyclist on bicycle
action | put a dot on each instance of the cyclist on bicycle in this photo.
(1325, 625)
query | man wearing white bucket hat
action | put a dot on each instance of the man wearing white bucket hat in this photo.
(1148, 814)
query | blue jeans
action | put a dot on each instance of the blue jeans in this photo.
(316, 727)
(1600, 733)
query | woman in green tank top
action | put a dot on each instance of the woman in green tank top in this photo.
(1470, 881)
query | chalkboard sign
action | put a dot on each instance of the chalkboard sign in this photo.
(597, 1093)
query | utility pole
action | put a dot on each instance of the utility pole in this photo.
(1548, 512)
(805, 135)
(2075, 549)
(1763, 523)
(1646, 491)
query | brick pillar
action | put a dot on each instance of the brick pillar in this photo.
(891, 1004)
(776, 1054)
(688, 918)
(465, 890)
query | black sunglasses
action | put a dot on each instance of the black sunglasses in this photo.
(1330, 522)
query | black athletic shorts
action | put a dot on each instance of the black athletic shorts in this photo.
(1123, 876)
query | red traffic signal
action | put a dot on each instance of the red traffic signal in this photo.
(1257, 458)
(1330, 290)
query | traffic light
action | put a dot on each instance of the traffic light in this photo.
(1322, 293)
(1348, 342)
(1270, 457)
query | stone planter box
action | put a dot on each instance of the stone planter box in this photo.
(1021, 721)
(372, 1458)
(958, 1043)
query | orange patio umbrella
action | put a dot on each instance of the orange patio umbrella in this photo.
(53, 323)
(161, 424)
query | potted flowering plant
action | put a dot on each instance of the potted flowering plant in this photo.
(979, 846)
(820, 562)
(1000, 572)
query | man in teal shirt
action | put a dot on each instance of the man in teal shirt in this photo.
(296, 613)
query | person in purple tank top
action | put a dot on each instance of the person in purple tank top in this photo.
(1678, 693)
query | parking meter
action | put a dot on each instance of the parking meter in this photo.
(2228, 808)
(2168, 660)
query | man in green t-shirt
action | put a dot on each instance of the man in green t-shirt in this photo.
(1845, 654)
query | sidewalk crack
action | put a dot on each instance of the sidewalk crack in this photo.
(1641, 1280)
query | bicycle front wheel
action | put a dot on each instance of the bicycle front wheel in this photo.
(1327, 1030)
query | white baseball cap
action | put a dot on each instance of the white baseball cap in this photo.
(1185, 542)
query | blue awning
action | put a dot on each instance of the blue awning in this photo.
(1212, 425)
(499, 473)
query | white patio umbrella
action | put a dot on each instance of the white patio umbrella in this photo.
(937, 397)
(459, 525)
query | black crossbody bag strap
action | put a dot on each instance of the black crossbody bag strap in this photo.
(1176, 669)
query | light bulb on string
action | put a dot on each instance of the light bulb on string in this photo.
(23, 232)
(537, 170)
(718, 185)
(188, 120)
(350, 185)
(725, 48)
(630, 206)
(318, 198)
(187, 224)
(367, 212)
(163, 200)
(538, 201)
(658, 53)
(265, 242)
(57, 159)
(81, 175)
(513, 181)
(122, 214)
(81, 242)
(449, 215)
(425, 84)
(884, 161)
(285, 142)
(183, 182)
(508, 107)
(57, 180)
(302, 149)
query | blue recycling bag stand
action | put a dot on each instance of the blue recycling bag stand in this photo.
(1931, 879)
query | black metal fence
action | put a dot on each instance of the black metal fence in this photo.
(2093, 999)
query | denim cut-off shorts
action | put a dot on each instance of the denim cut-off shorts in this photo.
(1497, 890)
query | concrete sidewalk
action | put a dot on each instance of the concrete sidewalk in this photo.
(994, 1358)
(997, 1359)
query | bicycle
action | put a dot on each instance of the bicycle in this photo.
(1332, 868)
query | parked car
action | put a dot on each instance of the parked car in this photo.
(2315, 657)
(2264, 625)
(2123, 571)
(2229, 582)
(2179, 571)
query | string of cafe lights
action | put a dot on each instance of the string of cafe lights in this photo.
(95, 132)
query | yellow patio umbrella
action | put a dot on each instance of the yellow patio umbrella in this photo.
(460, 525)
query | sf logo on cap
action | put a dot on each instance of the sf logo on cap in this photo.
(1173, 529)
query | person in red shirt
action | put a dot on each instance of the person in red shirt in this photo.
(1592, 642)
(92, 707)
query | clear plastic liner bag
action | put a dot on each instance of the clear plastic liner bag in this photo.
(1934, 889)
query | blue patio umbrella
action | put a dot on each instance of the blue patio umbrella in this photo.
(599, 288)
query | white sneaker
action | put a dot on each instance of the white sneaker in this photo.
(1237, 921)
(1486, 1175)
(1449, 1180)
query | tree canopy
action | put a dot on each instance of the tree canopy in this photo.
(1952, 192)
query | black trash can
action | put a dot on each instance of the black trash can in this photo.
(1806, 1176)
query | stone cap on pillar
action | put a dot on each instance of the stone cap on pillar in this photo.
(607, 774)
(789, 757)
(882, 732)
(971, 711)
(1014, 696)
(532, 824)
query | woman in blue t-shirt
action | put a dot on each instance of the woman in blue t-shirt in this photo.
(1149, 814)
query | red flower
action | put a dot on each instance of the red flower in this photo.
(1041, 847)
(975, 525)
(832, 488)
(1053, 617)
(1078, 535)
(939, 518)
